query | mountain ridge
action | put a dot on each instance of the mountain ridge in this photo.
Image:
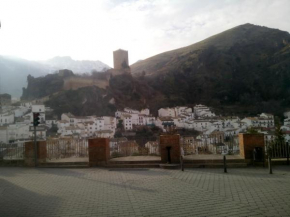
(139, 67)
(77, 66)
(14, 71)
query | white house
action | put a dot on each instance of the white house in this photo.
(166, 112)
(131, 111)
(153, 147)
(99, 123)
(287, 122)
(251, 121)
(105, 134)
(49, 123)
(6, 118)
(165, 123)
(20, 111)
(18, 132)
(110, 123)
(132, 117)
(267, 115)
(72, 130)
(38, 108)
(67, 117)
(87, 126)
(26, 104)
(4, 134)
(145, 111)
(202, 124)
(189, 124)
(201, 110)
(127, 121)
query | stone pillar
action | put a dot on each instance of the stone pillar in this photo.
(99, 151)
(172, 142)
(29, 153)
(248, 142)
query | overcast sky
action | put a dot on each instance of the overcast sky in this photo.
(92, 29)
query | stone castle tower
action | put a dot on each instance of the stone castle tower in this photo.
(121, 60)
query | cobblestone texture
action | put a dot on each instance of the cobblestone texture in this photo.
(143, 192)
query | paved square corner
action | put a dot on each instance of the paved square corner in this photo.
(144, 192)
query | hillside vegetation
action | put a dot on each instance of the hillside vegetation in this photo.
(123, 91)
(243, 70)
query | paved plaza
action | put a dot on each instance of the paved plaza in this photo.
(144, 192)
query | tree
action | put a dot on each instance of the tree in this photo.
(251, 130)
(279, 136)
(120, 124)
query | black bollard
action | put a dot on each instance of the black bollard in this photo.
(270, 165)
(287, 150)
(182, 164)
(225, 164)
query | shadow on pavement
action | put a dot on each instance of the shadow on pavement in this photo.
(17, 201)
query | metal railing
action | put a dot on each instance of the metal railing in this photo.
(124, 147)
(66, 148)
(13, 151)
(192, 146)
(277, 150)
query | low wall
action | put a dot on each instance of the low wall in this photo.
(248, 142)
(99, 151)
(29, 157)
(173, 142)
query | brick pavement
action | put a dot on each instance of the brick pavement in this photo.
(142, 192)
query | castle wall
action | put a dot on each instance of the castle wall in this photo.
(75, 83)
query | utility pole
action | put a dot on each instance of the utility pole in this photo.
(35, 124)
(0, 94)
(35, 147)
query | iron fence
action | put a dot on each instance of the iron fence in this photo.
(277, 150)
(122, 147)
(66, 148)
(205, 145)
(12, 151)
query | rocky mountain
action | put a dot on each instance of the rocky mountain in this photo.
(77, 66)
(242, 71)
(245, 69)
(14, 71)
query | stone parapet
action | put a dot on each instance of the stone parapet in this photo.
(99, 151)
(29, 158)
(171, 142)
(248, 142)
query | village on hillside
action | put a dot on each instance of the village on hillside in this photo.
(200, 125)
